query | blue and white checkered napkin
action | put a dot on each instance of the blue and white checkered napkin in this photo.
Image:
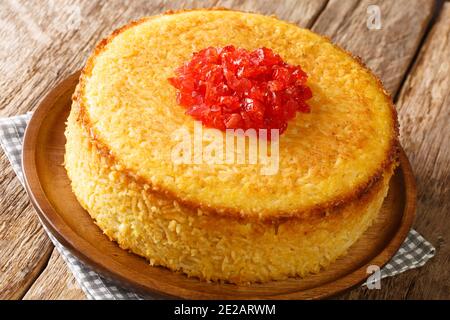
(413, 253)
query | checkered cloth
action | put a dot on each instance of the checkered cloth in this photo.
(414, 252)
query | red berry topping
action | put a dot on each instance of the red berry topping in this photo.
(235, 88)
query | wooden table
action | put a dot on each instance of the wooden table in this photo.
(42, 43)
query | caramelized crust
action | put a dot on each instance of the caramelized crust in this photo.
(272, 215)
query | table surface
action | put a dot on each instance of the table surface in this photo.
(408, 47)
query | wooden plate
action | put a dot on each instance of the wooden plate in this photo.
(50, 192)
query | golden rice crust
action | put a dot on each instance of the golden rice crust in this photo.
(328, 157)
(207, 246)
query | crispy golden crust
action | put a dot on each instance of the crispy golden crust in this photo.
(318, 210)
(206, 246)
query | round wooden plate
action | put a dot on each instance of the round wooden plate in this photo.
(51, 194)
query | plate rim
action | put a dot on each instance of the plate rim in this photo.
(78, 246)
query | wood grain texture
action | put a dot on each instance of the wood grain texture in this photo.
(424, 114)
(24, 247)
(387, 51)
(55, 283)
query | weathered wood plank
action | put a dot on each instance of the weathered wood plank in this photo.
(424, 113)
(55, 282)
(388, 51)
(303, 13)
(39, 46)
(24, 247)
